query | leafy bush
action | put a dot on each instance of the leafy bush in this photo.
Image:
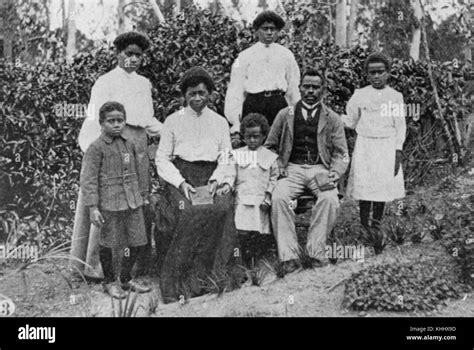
(38, 148)
(401, 287)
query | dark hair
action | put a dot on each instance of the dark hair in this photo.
(195, 76)
(314, 73)
(375, 58)
(252, 120)
(110, 107)
(131, 38)
(268, 16)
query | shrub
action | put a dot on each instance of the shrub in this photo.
(38, 149)
(412, 287)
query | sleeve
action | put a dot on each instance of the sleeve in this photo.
(90, 129)
(353, 112)
(165, 167)
(274, 173)
(153, 126)
(234, 98)
(293, 79)
(225, 171)
(90, 176)
(340, 155)
(142, 182)
(273, 140)
(400, 124)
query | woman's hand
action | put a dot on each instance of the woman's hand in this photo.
(186, 189)
(283, 172)
(223, 190)
(212, 186)
(96, 217)
(398, 161)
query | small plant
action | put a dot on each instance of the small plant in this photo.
(397, 229)
(258, 275)
(126, 307)
(274, 267)
(375, 238)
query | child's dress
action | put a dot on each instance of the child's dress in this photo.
(257, 174)
(378, 116)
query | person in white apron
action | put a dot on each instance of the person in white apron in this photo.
(377, 113)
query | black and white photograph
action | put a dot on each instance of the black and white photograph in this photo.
(237, 159)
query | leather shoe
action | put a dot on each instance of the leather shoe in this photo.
(290, 266)
(134, 286)
(114, 290)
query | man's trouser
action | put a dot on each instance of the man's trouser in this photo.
(323, 214)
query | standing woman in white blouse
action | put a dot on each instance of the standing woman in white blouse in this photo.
(377, 113)
(192, 154)
(265, 78)
(133, 91)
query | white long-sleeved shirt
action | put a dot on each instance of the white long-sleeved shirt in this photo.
(194, 137)
(133, 91)
(261, 68)
(377, 113)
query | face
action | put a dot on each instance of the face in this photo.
(267, 33)
(197, 97)
(253, 137)
(311, 89)
(130, 58)
(113, 124)
(377, 74)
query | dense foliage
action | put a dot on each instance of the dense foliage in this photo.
(38, 140)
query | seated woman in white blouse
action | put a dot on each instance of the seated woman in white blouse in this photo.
(202, 237)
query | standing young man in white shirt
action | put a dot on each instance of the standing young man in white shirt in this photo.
(265, 77)
(133, 91)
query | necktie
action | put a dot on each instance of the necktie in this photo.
(310, 112)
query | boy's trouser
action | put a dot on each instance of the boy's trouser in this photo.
(323, 213)
(127, 262)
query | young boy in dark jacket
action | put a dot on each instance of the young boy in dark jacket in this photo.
(114, 191)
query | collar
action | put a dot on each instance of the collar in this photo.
(119, 70)
(263, 157)
(107, 139)
(308, 107)
(261, 45)
(189, 111)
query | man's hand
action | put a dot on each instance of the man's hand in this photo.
(212, 186)
(223, 190)
(333, 176)
(186, 190)
(235, 140)
(265, 205)
(96, 217)
(283, 172)
(398, 161)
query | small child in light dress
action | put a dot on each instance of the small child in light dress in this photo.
(257, 174)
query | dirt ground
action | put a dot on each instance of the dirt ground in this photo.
(44, 290)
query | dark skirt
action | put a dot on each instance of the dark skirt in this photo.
(201, 238)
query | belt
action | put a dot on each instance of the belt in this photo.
(267, 93)
(118, 180)
(306, 160)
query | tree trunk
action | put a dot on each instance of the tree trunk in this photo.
(177, 7)
(351, 28)
(416, 38)
(341, 23)
(452, 142)
(157, 11)
(71, 30)
(121, 17)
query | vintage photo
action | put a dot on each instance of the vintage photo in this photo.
(236, 158)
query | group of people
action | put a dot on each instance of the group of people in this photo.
(223, 199)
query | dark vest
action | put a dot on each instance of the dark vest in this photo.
(305, 138)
